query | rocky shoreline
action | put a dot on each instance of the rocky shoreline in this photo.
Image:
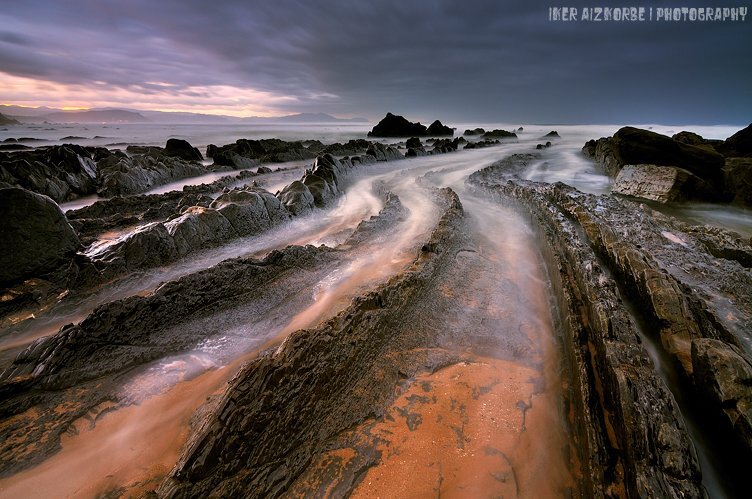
(653, 316)
(696, 302)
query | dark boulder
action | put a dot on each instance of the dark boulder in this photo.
(263, 169)
(244, 154)
(179, 148)
(738, 145)
(437, 129)
(36, 236)
(383, 152)
(553, 134)
(413, 142)
(693, 139)
(499, 134)
(445, 145)
(397, 126)
(61, 172)
(474, 131)
(481, 143)
(297, 198)
(634, 146)
(738, 181)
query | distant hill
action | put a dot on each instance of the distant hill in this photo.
(105, 116)
(5, 120)
(118, 115)
(313, 118)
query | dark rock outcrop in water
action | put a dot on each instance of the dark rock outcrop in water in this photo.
(693, 297)
(246, 153)
(738, 145)
(438, 129)
(499, 134)
(481, 143)
(659, 183)
(61, 172)
(179, 148)
(474, 131)
(697, 168)
(633, 146)
(120, 175)
(36, 237)
(397, 126)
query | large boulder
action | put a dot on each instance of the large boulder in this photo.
(244, 153)
(474, 131)
(738, 145)
(250, 211)
(738, 183)
(397, 126)
(179, 148)
(694, 139)
(634, 146)
(437, 129)
(659, 183)
(36, 236)
(499, 134)
(383, 152)
(321, 190)
(297, 198)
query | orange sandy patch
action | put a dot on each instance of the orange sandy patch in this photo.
(469, 430)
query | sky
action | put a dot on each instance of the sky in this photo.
(459, 61)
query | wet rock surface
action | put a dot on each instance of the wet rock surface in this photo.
(659, 183)
(120, 175)
(36, 237)
(246, 153)
(695, 301)
(711, 170)
(264, 433)
(84, 366)
(499, 134)
(61, 172)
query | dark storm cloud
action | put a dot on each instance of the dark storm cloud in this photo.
(473, 60)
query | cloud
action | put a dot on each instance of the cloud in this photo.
(475, 60)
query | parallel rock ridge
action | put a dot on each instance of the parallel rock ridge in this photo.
(280, 409)
(88, 361)
(699, 306)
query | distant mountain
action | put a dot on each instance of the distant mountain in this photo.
(120, 115)
(103, 116)
(313, 118)
(22, 111)
(5, 120)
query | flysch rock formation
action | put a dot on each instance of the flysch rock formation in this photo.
(693, 298)
(281, 409)
(85, 365)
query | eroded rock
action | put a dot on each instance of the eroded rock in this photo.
(36, 237)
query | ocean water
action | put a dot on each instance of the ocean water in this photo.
(562, 163)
